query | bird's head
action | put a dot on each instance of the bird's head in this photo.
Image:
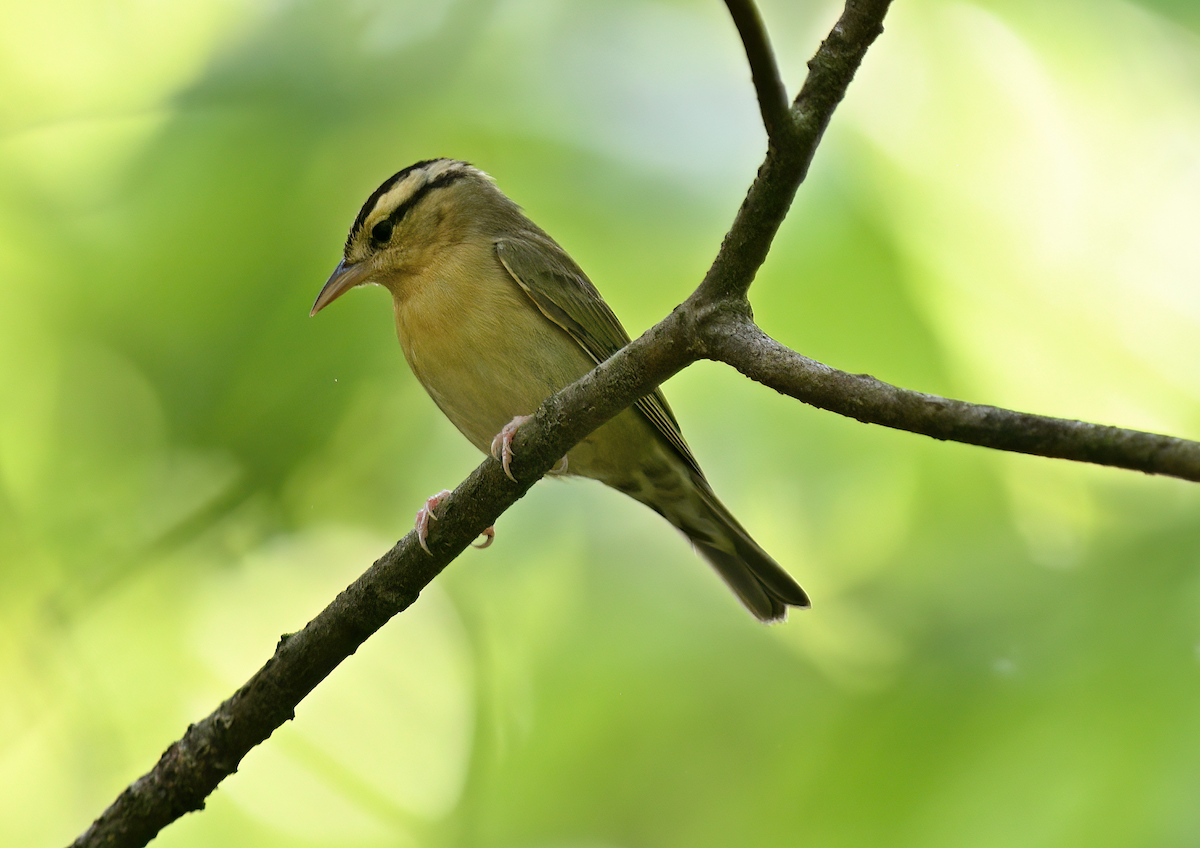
(413, 215)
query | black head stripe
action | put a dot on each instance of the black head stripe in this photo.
(399, 212)
(439, 181)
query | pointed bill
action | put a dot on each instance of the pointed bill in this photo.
(345, 276)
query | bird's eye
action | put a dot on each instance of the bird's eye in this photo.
(381, 233)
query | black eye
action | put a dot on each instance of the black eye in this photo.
(381, 233)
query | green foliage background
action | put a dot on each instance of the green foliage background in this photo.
(1003, 650)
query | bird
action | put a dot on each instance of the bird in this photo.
(494, 316)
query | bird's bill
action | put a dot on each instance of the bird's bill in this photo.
(345, 276)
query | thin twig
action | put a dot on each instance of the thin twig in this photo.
(764, 71)
(770, 196)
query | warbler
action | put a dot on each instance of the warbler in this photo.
(494, 317)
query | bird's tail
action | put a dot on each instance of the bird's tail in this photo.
(759, 582)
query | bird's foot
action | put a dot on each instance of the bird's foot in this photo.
(502, 444)
(424, 514)
(502, 450)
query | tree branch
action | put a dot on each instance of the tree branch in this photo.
(211, 749)
(744, 345)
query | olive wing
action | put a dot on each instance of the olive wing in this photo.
(564, 294)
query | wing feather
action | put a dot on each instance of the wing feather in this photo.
(563, 293)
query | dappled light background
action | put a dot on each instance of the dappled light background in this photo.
(1003, 650)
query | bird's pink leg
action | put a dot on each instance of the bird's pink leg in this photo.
(502, 448)
(425, 513)
(502, 444)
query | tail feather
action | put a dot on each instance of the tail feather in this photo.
(759, 582)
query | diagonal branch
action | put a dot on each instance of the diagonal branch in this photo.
(211, 749)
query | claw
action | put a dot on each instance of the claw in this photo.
(502, 444)
(503, 453)
(489, 536)
(424, 514)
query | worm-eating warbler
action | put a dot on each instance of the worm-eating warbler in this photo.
(494, 317)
